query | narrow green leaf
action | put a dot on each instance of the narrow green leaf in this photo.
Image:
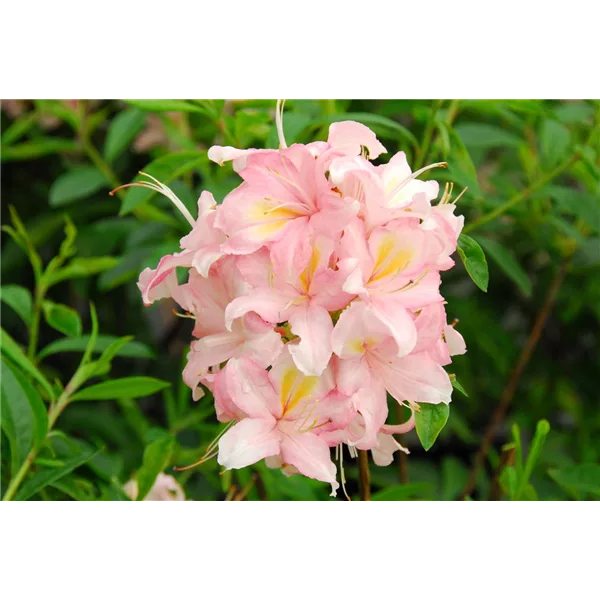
(407, 491)
(62, 318)
(45, 477)
(18, 128)
(40, 147)
(38, 408)
(167, 106)
(16, 418)
(121, 132)
(429, 421)
(76, 184)
(508, 263)
(156, 457)
(127, 387)
(79, 344)
(11, 349)
(541, 431)
(19, 299)
(457, 386)
(508, 481)
(516, 432)
(582, 478)
(105, 360)
(165, 169)
(481, 135)
(555, 140)
(83, 267)
(74, 487)
(474, 260)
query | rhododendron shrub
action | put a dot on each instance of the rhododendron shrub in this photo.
(315, 290)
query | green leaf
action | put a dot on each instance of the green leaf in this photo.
(457, 386)
(19, 299)
(79, 344)
(381, 125)
(156, 457)
(121, 132)
(167, 106)
(105, 360)
(555, 140)
(577, 203)
(508, 263)
(23, 415)
(429, 421)
(403, 492)
(541, 431)
(480, 135)
(62, 318)
(165, 169)
(461, 169)
(38, 148)
(78, 489)
(18, 128)
(474, 260)
(82, 267)
(77, 184)
(127, 387)
(11, 349)
(582, 478)
(45, 477)
(508, 481)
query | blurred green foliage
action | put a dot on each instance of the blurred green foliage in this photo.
(532, 169)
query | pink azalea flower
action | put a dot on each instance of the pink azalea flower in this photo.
(370, 353)
(206, 299)
(283, 413)
(388, 270)
(295, 283)
(165, 489)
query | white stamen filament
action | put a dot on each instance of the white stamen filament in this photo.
(414, 175)
(459, 196)
(279, 123)
(342, 473)
(160, 188)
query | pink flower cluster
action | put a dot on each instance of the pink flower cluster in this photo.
(315, 292)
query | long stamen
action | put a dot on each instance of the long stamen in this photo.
(279, 123)
(201, 461)
(160, 188)
(342, 473)
(219, 436)
(459, 196)
(416, 174)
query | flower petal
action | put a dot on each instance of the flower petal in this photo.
(311, 456)
(248, 442)
(250, 389)
(350, 136)
(314, 326)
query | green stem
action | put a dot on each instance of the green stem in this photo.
(523, 194)
(34, 330)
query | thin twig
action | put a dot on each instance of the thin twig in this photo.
(511, 388)
(365, 476)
